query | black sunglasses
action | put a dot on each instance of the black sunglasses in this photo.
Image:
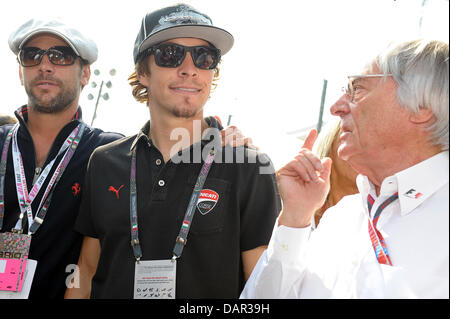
(171, 55)
(58, 55)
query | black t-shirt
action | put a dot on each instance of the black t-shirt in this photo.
(240, 216)
(55, 245)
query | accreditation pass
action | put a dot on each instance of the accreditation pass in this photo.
(155, 279)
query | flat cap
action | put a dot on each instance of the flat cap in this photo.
(84, 47)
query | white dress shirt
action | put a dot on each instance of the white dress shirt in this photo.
(337, 259)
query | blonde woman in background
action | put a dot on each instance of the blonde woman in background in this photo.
(343, 176)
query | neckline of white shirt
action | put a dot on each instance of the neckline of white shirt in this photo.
(414, 184)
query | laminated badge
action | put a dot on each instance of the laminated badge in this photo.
(13, 260)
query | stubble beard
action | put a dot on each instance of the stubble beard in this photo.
(186, 112)
(57, 104)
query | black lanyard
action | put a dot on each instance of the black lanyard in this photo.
(189, 215)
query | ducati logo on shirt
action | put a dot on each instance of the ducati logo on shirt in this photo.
(207, 201)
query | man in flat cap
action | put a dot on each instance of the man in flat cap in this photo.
(44, 159)
(171, 224)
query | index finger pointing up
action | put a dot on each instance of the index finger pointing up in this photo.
(310, 139)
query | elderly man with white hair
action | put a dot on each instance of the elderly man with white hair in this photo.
(392, 239)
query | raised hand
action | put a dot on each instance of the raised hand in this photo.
(232, 136)
(304, 184)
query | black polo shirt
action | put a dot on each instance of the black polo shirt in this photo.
(55, 245)
(241, 215)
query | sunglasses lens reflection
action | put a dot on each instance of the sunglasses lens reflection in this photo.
(172, 55)
(60, 55)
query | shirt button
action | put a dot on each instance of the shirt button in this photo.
(158, 162)
(161, 183)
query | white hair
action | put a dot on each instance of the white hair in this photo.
(420, 68)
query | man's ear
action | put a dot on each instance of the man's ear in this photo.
(20, 75)
(423, 116)
(85, 75)
(143, 78)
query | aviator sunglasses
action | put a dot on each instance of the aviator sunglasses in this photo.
(171, 55)
(58, 55)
